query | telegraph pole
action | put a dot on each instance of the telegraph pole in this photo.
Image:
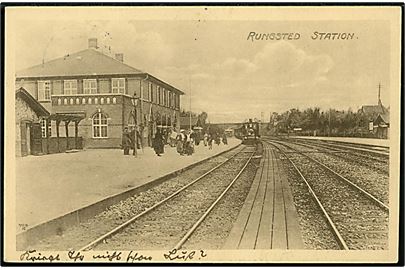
(189, 82)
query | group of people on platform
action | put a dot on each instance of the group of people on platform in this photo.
(184, 140)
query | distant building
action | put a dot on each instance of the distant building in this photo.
(373, 110)
(103, 91)
(378, 118)
(381, 125)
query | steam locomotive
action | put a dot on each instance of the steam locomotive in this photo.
(248, 132)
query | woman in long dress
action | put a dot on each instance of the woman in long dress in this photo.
(158, 144)
(180, 142)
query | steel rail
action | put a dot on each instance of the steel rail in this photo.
(364, 149)
(362, 191)
(131, 220)
(314, 145)
(339, 147)
(206, 213)
(335, 231)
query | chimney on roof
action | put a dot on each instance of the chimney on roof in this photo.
(119, 57)
(93, 43)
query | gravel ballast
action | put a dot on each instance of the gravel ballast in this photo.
(362, 224)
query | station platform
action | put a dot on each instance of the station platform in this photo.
(268, 218)
(365, 141)
(53, 185)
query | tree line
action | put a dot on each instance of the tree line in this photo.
(313, 121)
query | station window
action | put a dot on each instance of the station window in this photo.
(43, 128)
(70, 87)
(150, 92)
(100, 125)
(158, 95)
(118, 85)
(90, 86)
(44, 90)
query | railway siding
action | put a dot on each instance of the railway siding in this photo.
(353, 216)
(374, 182)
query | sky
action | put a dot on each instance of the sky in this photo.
(224, 73)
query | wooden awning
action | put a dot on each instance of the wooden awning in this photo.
(68, 116)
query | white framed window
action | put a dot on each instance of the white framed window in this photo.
(100, 125)
(43, 128)
(90, 86)
(175, 100)
(70, 87)
(118, 85)
(150, 92)
(44, 90)
(164, 97)
(158, 95)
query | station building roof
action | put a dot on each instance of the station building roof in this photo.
(89, 62)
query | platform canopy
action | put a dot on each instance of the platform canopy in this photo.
(68, 116)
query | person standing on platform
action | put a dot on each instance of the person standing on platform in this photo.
(217, 138)
(173, 136)
(158, 144)
(126, 141)
(209, 140)
(197, 138)
(188, 145)
(224, 139)
(180, 142)
(205, 139)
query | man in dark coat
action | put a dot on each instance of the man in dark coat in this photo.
(138, 139)
(217, 139)
(224, 139)
(158, 144)
(126, 141)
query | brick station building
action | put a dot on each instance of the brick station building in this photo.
(106, 95)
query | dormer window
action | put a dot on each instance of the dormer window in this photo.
(118, 85)
(70, 87)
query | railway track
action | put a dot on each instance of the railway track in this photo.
(376, 182)
(374, 163)
(374, 150)
(163, 225)
(357, 219)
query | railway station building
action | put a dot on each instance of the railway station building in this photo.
(95, 96)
